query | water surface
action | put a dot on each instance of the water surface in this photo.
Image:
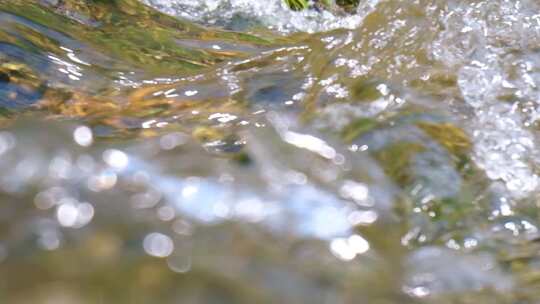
(228, 152)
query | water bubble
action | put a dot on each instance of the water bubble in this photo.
(348, 248)
(171, 141)
(166, 213)
(189, 191)
(116, 159)
(71, 213)
(436, 270)
(60, 166)
(49, 239)
(49, 198)
(182, 227)
(470, 243)
(310, 143)
(158, 245)
(67, 215)
(85, 163)
(146, 199)
(358, 244)
(362, 217)
(419, 291)
(83, 136)
(358, 192)
(86, 213)
(103, 181)
(341, 249)
(179, 263)
(190, 93)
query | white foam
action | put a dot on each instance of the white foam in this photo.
(499, 84)
(273, 14)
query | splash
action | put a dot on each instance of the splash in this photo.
(499, 83)
(272, 14)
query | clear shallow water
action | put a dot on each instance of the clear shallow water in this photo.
(151, 159)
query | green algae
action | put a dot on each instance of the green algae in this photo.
(297, 5)
(357, 128)
(454, 139)
(130, 32)
(396, 160)
(365, 91)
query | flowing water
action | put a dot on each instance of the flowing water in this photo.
(234, 151)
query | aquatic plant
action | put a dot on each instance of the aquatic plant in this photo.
(297, 5)
(347, 5)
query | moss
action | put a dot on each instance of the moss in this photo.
(348, 5)
(243, 159)
(5, 113)
(357, 128)
(206, 134)
(365, 91)
(126, 30)
(19, 74)
(297, 5)
(345, 5)
(452, 138)
(396, 158)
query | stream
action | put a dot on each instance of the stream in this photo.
(236, 151)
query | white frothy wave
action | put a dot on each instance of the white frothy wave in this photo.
(273, 14)
(499, 84)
